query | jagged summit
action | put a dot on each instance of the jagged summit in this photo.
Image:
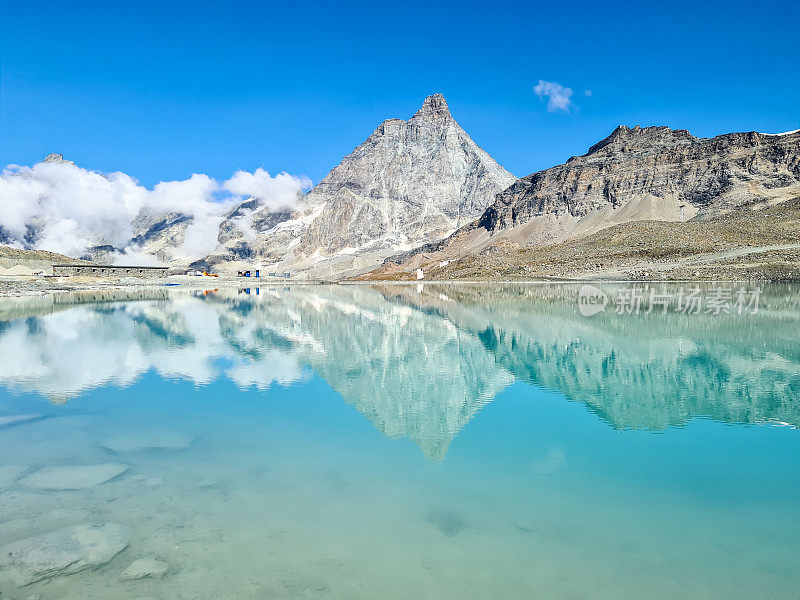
(434, 105)
(433, 110)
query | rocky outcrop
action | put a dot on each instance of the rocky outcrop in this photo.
(411, 182)
(144, 568)
(667, 165)
(73, 477)
(62, 552)
(650, 173)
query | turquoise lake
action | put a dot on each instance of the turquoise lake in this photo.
(403, 441)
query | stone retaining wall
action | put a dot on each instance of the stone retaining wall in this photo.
(108, 271)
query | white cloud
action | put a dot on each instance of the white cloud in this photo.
(277, 192)
(558, 96)
(71, 209)
(75, 350)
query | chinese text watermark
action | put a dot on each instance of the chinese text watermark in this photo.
(636, 300)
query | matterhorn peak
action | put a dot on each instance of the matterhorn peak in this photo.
(434, 105)
(408, 184)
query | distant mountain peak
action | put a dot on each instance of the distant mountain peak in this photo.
(57, 159)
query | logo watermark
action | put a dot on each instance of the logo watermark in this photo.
(591, 300)
(635, 300)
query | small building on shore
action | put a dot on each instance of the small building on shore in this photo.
(90, 270)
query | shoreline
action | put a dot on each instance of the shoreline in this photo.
(13, 286)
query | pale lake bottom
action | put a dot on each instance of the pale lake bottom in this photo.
(400, 442)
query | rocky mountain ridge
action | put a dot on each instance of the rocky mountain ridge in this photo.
(421, 192)
(635, 174)
(672, 165)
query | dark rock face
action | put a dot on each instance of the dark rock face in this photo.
(100, 253)
(260, 219)
(161, 225)
(656, 162)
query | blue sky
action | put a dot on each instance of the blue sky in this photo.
(163, 90)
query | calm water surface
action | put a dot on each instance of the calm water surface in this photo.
(401, 442)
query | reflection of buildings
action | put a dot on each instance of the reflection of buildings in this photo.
(21, 307)
(419, 363)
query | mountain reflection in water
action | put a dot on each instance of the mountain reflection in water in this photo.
(417, 361)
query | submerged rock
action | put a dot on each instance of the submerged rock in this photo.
(145, 567)
(73, 477)
(148, 440)
(526, 524)
(62, 552)
(449, 523)
(10, 473)
(9, 420)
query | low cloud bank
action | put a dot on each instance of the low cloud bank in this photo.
(58, 206)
